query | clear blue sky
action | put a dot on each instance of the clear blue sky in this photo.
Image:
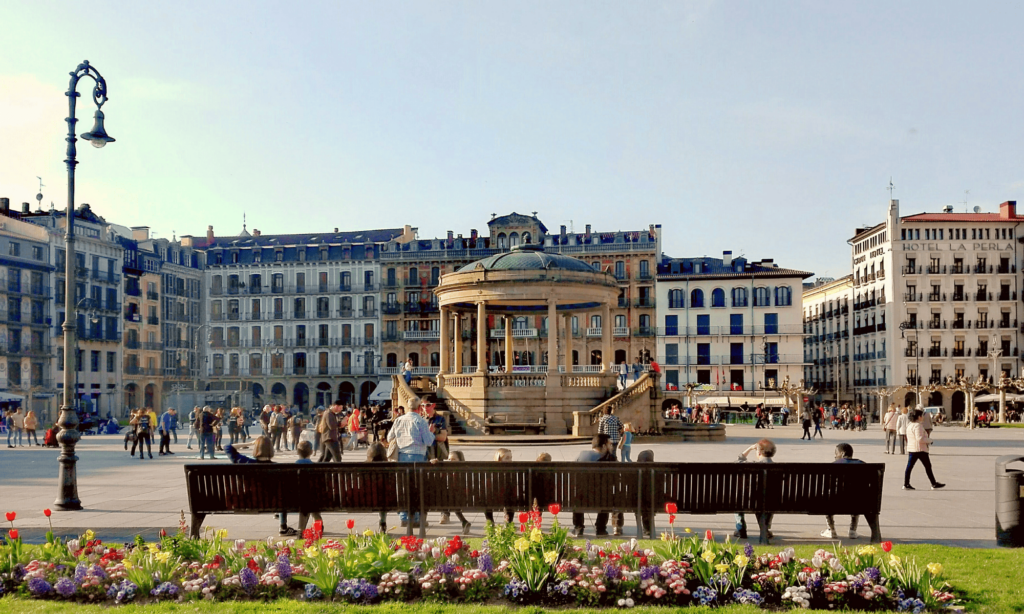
(767, 128)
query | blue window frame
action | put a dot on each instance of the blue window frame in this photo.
(671, 325)
(771, 323)
(736, 324)
(718, 297)
(703, 353)
(671, 353)
(736, 353)
(704, 325)
(697, 298)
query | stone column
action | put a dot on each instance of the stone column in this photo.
(509, 363)
(444, 342)
(552, 337)
(481, 337)
(568, 343)
(458, 343)
(606, 337)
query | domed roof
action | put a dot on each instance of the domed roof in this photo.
(528, 258)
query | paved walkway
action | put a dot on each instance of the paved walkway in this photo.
(123, 496)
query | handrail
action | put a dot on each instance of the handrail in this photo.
(640, 386)
(403, 394)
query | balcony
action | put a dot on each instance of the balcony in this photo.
(1008, 323)
(911, 297)
(937, 352)
(959, 352)
(368, 313)
(1006, 270)
(620, 331)
(255, 289)
(343, 288)
(323, 314)
(517, 333)
(429, 307)
(137, 317)
(391, 308)
(594, 332)
(107, 276)
(936, 269)
(132, 344)
(233, 289)
(645, 302)
(936, 324)
(960, 324)
(299, 314)
(1006, 295)
(936, 297)
(983, 324)
(623, 302)
(981, 269)
(152, 296)
(909, 353)
(911, 270)
(957, 269)
(278, 315)
(645, 331)
(373, 287)
(412, 307)
(390, 283)
(983, 296)
(390, 336)
(421, 335)
(644, 276)
(256, 315)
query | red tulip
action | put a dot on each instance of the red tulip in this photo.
(47, 512)
(318, 525)
(11, 516)
(523, 517)
(522, 528)
(163, 532)
(350, 524)
(671, 518)
(474, 554)
(670, 508)
(887, 546)
(554, 508)
(13, 534)
(708, 535)
(253, 565)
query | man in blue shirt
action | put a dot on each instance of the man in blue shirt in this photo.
(167, 422)
(412, 435)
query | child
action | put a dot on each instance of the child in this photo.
(456, 456)
(501, 455)
(626, 441)
(305, 450)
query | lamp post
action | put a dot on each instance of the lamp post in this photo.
(67, 477)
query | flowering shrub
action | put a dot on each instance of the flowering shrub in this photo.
(521, 563)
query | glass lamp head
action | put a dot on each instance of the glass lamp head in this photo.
(98, 135)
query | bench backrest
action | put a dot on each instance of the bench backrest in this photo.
(695, 488)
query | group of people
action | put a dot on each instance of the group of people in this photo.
(21, 428)
(694, 415)
(143, 424)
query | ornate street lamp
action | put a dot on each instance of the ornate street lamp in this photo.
(67, 477)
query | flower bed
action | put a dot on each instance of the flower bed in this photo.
(521, 564)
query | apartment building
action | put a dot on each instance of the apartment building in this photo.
(828, 340)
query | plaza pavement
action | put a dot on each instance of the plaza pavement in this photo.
(123, 496)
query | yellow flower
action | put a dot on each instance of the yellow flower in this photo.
(330, 563)
(551, 557)
(536, 536)
(722, 567)
(867, 550)
(153, 547)
(222, 534)
(894, 560)
(665, 537)
(687, 530)
(522, 544)
(935, 568)
(740, 560)
(311, 552)
(708, 556)
(127, 564)
(333, 554)
(162, 557)
(368, 532)
(89, 535)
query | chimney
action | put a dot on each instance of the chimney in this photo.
(255, 232)
(1008, 210)
(562, 232)
(588, 231)
(472, 234)
(335, 230)
(451, 235)
(5, 205)
(209, 234)
(140, 233)
(26, 208)
(727, 258)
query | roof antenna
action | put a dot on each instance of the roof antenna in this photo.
(243, 221)
(39, 196)
(890, 188)
(966, 192)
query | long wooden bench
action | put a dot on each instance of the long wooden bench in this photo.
(498, 424)
(640, 489)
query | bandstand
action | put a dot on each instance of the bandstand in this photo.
(526, 281)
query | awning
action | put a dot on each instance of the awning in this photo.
(738, 401)
(382, 392)
(994, 398)
(6, 397)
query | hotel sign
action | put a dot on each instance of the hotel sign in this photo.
(957, 247)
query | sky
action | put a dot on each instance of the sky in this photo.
(771, 129)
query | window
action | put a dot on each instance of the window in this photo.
(620, 269)
(704, 325)
(671, 353)
(675, 299)
(94, 361)
(14, 249)
(414, 276)
(783, 296)
(513, 239)
(736, 353)
(718, 297)
(37, 252)
(697, 298)
(595, 321)
(671, 325)
(771, 323)
(739, 297)
(645, 269)
(736, 324)
(762, 297)
(703, 353)
(502, 241)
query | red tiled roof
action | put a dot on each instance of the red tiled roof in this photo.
(961, 217)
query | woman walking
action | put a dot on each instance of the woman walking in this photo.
(901, 431)
(889, 428)
(918, 444)
(805, 421)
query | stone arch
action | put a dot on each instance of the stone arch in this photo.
(257, 394)
(131, 396)
(323, 394)
(365, 391)
(149, 395)
(959, 405)
(620, 356)
(346, 392)
(278, 392)
(935, 399)
(910, 400)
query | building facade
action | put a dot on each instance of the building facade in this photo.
(293, 319)
(942, 290)
(412, 269)
(26, 313)
(729, 322)
(828, 340)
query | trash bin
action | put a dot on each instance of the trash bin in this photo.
(1009, 503)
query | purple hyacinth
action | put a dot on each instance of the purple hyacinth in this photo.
(417, 570)
(65, 587)
(484, 563)
(39, 587)
(649, 572)
(98, 572)
(445, 569)
(748, 551)
(247, 578)
(81, 571)
(284, 567)
(611, 571)
(166, 589)
(873, 574)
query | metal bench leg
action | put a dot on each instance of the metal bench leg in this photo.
(639, 525)
(197, 525)
(876, 531)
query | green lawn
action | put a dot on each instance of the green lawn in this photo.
(992, 581)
